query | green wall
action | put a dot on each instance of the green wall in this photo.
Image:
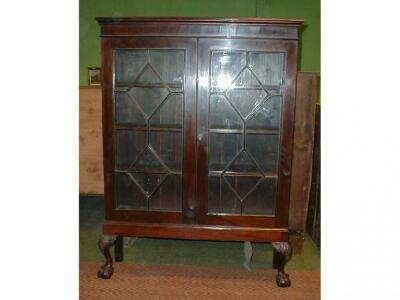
(89, 41)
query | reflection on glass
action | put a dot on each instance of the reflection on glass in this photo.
(222, 114)
(246, 101)
(244, 123)
(225, 65)
(268, 115)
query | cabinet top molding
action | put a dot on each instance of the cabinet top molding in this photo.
(206, 20)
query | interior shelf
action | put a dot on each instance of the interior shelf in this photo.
(124, 86)
(248, 131)
(144, 128)
(151, 171)
(231, 173)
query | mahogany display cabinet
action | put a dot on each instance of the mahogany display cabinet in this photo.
(198, 117)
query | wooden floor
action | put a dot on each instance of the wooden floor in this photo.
(135, 281)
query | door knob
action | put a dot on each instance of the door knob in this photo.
(200, 137)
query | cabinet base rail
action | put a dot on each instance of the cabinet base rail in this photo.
(196, 232)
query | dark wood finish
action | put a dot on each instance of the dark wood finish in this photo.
(288, 96)
(200, 27)
(199, 20)
(112, 213)
(197, 37)
(275, 260)
(282, 254)
(195, 232)
(306, 98)
(106, 270)
(314, 209)
(119, 248)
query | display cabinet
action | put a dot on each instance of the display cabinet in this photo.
(198, 118)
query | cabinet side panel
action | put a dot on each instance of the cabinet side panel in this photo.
(108, 133)
(306, 96)
(287, 128)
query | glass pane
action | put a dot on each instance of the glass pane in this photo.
(223, 115)
(221, 199)
(268, 115)
(148, 99)
(243, 163)
(222, 149)
(128, 145)
(262, 201)
(169, 64)
(246, 101)
(238, 163)
(264, 149)
(127, 110)
(242, 186)
(148, 76)
(268, 67)
(128, 64)
(225, 66)
(149, 162)
(148, 182)
(170, 113)
(169, 196)
(246, 79)
(128, 194)
(149, 102)
(169, 147)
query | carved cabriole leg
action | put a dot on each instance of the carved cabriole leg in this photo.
(282, 254)
(106, 270)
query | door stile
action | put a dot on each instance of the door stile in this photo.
(190, 200)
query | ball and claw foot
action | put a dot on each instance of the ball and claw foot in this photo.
(282, 254)
(282, 280)
(106, 270)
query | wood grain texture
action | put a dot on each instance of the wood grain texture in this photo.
(195, 231)
(91, 179)
(196, 20)
(306, 98)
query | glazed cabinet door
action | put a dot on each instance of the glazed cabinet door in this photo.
(149, 127)
(245, 126)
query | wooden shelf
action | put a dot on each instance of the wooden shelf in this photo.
(248, 131)
(242, 174)
(151, 171)
(124, 86)
(270, 88)
(144, 128)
